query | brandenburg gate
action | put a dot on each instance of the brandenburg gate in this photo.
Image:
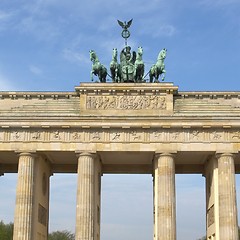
(101, 128)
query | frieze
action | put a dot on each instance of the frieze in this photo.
(196, 135)
(216, 136)
(119, 135)
(96, 136)
(236, 135)
(57, 136)
(1, 135)
(116, 136)
(156, 136)
(36, 135)
(126, 102)
(76, 136)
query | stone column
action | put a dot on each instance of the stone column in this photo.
(23, 220)
(228, 225)
(87, 224)
(164, 197)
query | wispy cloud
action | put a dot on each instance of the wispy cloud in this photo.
(6, 18)
(4, 15)
(5, 83)
(155, 29)
(43, 30)
(76, 57)
(35, 70)
(217, 3)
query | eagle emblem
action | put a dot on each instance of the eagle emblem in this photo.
(125, 25)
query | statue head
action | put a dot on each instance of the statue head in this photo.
(128, 53)
(128, 48)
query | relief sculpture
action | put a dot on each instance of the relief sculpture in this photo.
(155, 135)
(126, 102)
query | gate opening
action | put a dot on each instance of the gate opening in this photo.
(237, 175)
(62, 204)
(8, 184)
(127, 207)
(190, 206)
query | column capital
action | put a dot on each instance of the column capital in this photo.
(225, 154)
(86, 153)
(164, 154)
(26, 153)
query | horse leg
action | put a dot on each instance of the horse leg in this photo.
(116, 75)
(135, 74)
(151, 77)
(91, 75)
(142, 73)
(156, 78)
(164, 73)
(104, 75)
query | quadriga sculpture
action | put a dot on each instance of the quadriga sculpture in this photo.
(158, 68)
(97, 68)
(139, 66)
(115, 67)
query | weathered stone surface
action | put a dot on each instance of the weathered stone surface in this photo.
(164, 197)
(126, 125)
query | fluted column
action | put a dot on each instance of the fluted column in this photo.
(85, 215)
(23, 220)
(164, 197)
(228, 225)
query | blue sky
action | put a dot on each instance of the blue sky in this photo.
(45, 47)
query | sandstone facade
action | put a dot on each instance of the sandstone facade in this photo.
(121, 128)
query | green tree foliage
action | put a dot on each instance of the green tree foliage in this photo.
(6, 231)
(61, 235)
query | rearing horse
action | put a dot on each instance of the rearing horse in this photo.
(159, 67)
(115, 67)
(97, 68)
(139, 66)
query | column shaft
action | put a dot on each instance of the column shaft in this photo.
(164, 197)
(85, 197)
(23, 220)
(228, 225)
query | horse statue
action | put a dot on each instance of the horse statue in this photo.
(139, 66)
(97, 68)
(158, 68)
(115, 67)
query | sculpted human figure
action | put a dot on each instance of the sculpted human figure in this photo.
(127, 61)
